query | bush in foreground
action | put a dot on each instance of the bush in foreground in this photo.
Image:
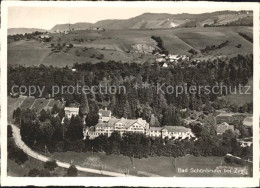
(51, 165)
(72, 171)
(34, 172)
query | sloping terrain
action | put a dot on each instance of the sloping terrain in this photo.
(76, 26)
(164, 21)
(127, 45)
(14, 31)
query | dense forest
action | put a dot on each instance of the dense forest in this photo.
(45, 128)
(142, 102)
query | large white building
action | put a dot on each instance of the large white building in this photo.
(108, 124)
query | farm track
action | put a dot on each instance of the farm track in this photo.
(30, 152)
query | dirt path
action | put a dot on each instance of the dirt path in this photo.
(30, 152)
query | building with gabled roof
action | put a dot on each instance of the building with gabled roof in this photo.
(224, 117)
(248, 121)
(176, 132)
(71, 111)
(223, 127)
(104, 115)
(123, 125)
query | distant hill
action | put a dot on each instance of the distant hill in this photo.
(164, 21)
(76, 26)
(156, 21)
(14, 31)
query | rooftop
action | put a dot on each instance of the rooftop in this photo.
(176, 129)
(221, 128)
(225, 114)
(105, 113)
(71, 109)
(248, 121)
(155, 128)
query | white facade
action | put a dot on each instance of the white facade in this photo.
(165, 65)
(179, 132)
(71, 111)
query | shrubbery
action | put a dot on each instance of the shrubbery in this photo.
(72, 171)
(51, 165)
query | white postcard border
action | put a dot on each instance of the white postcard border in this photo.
(138, 181)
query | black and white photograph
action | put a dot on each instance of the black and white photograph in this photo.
(130, 90)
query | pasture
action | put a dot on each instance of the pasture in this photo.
(152, 166)
(118, 45)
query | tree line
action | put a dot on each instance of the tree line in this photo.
(141, 102)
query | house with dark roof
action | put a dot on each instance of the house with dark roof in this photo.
(104, 115)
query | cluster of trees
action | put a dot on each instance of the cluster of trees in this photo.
(193, 51)
(15, 153)
(139, 145)
(160, 44)
(18, 37)
(140, 102)
(58, 47)
(214, 47)
(41, 131)
(48, 170)
(221, 103)
(246, 21)
(45, 131)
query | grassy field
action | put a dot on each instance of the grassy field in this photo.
(118, 45)
(241, 99)
(153, 166)
(16, 170)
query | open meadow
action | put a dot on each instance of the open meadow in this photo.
(152, 166)
(126, 45)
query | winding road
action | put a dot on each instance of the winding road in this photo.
(30, 152)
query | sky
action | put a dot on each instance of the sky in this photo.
(47, 17)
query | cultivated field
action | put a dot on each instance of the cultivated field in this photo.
(29, 102)
(119, 45)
